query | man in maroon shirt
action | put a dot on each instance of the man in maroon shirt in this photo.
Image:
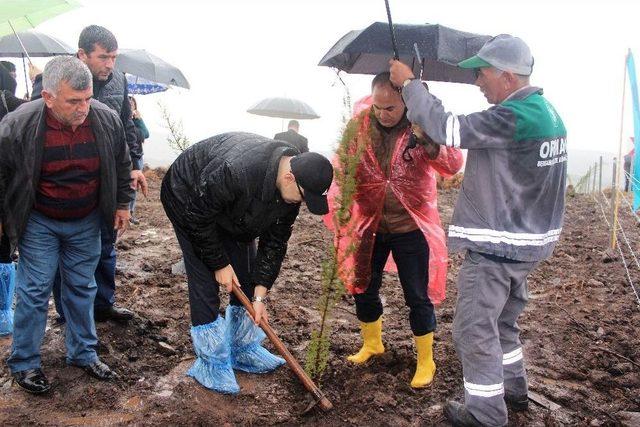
(53, 207)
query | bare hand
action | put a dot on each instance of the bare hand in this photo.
(227, 277)
(139, 181)
(33, 72)
(259, 308)
(260, 312)
(121, 221)
(400, 72)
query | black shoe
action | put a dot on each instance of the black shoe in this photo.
(133, 220)
(117, 314)
(99, 370)
(33, 381)
(458, 415)
(517, 403)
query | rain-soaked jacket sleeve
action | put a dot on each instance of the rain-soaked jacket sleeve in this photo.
(215, 190)
(492, 128)
(272, 247)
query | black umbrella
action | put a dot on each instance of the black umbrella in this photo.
(368, 51)
(34, 43)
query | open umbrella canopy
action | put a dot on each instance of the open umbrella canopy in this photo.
(368, 51)
(141, 63)
(35, 43)
(18, 15)
(284, 108)
(139, 86)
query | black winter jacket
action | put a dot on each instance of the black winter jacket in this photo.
(21, 148)
(295, 139)
(225, 188)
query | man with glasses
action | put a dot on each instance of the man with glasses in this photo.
(220, 195)
(395, 212)
(508, 217)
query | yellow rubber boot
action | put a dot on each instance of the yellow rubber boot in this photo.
(372, 342)
(426, 367)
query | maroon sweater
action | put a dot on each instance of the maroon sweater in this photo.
(70, 171)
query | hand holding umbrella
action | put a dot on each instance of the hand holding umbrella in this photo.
(400, 72)
(33, 72)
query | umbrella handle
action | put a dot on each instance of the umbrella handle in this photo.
(419, 58)
(393, 34)
(26, 79)
(21, 44)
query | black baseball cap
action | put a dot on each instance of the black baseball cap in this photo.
(314, 173)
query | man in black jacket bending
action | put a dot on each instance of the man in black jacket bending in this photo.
(220, 195)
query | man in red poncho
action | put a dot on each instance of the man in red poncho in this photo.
(395, 211)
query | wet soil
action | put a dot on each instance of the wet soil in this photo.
(581, 334)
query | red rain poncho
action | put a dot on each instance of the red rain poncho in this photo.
(414, 185)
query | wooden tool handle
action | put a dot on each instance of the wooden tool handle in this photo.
(324, 403)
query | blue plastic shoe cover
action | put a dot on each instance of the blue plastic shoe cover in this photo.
(7, 288)
(212, 367)
(244, 339)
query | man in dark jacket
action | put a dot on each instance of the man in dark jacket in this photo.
(221, 194)
(98, 49)
(293, 137)
(64, 169)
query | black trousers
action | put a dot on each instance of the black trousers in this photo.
(410, 253)
(204, 301)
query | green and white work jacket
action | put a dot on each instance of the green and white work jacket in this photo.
(511, 203)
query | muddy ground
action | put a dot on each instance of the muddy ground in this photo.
(581, 332)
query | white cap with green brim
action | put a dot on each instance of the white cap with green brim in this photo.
(504, 52)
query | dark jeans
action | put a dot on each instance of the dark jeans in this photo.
(204, 301)
(105, 272)
(411, 255)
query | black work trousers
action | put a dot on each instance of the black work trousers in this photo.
(411, 254)
(204, 301)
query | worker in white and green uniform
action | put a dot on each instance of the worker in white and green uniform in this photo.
(508, 216)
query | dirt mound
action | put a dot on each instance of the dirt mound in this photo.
(580, 333)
